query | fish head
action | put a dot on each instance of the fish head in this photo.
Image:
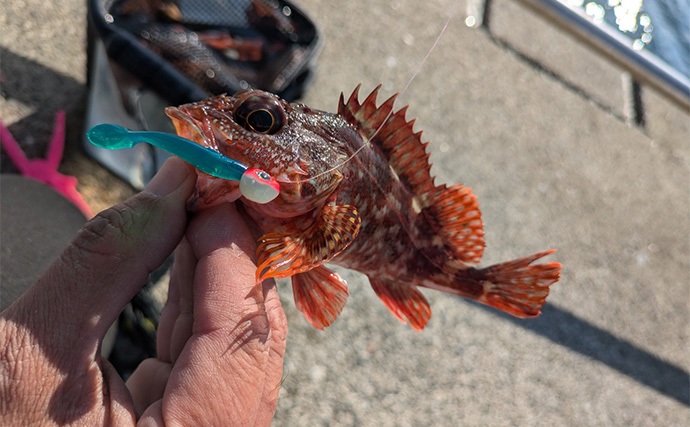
(302, 148)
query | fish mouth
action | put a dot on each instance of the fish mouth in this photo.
(187, 127)
(194, 124)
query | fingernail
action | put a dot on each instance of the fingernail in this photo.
(169, 177)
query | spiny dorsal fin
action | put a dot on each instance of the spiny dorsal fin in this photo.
(453, 210)
(404, 149)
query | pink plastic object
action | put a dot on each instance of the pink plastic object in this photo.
(45, 170)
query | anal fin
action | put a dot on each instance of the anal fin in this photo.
(320, 294)
(405, 302)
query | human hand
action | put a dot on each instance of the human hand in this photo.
(221, 338)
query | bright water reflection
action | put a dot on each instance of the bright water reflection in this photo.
(661, 26)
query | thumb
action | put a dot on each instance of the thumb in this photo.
(108, 261)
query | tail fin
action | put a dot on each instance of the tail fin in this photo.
(519, 288)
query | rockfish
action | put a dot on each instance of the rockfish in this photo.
(355, 190)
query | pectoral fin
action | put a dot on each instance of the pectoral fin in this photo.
(286, 254)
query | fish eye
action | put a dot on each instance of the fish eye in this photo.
(260, 114)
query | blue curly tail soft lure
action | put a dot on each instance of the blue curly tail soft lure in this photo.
(255, 184)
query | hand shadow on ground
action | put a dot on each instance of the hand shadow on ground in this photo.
(44, 91)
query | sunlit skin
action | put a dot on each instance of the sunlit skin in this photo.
(221, 338)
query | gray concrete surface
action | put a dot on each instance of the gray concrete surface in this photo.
(25, 251)
(553, 167)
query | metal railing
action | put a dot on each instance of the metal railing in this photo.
(644, 66)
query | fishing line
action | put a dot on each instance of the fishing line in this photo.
(414, 75)
(402, 221)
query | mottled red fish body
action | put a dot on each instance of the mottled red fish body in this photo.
(355, 190)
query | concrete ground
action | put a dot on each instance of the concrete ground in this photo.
(533, 122)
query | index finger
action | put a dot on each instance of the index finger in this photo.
(232, 363)
(225, 288)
